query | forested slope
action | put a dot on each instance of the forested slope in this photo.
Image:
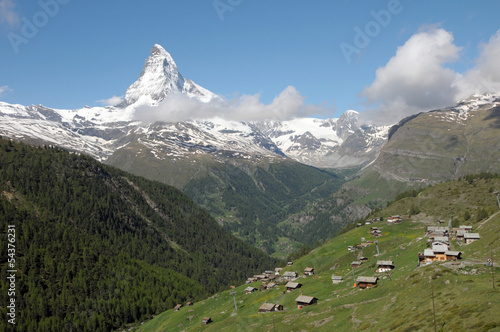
(97, 248)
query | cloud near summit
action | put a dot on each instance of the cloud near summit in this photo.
(417, 78)
(288, 104)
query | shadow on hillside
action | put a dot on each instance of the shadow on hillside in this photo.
(494, 114)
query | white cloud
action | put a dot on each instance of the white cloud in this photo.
(4, 90)
(415, 79)
(178, 107)
(115, 100)
(485, 76)
(8, 14)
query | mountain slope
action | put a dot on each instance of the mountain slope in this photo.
(444, 144)
(402, 300)
(97, 247)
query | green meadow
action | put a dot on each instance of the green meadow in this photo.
(463, 293)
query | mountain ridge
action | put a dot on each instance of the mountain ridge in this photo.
(101, 131)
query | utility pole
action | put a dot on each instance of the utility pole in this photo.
(234, 298)
(496, 192)
(433, 307)
(378, 252)
(492, 268)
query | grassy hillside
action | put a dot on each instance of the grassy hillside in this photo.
(97, 248)
(464, 298)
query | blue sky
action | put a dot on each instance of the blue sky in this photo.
(86, 51)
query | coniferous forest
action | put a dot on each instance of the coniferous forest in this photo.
(97, 248)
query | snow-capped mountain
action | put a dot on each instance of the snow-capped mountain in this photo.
(102, 131)
(160, 77)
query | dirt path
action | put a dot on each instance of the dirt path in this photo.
(484, 222)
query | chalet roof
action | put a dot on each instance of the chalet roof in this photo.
(370, 280)
(442, 239)
(178, 306)
(250, 289)
(292, 284)
(268, 272)
(206, 319)
(472, 236)
(465, 227)
(439, 247)
(385, 263)
(356, 263)
(438, 229)
(336, 277)
(429, 253)
(305, 299)
(290, 274)
(271, 284)
(267, 306)
(461, 232)
(309, 269)
(453, 253)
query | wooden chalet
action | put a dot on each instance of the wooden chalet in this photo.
(291, 286)
(385, 266)
(453, 255)
(440, 247)
(356, 264)
(206, 320)
(289, 263)
(471, 237)
(289, 275)
(271, 285)
(188, 304)
(177, 307)
(394, 219)
(270, 307)
(466, 228)
(304, 300)
(337, 279)
(437, 231)
(309, 271)
(429, 256)
(250, 289)
(460, 234)
(268, 273)
(364, 282)
(442, 239)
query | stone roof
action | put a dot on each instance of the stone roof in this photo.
(370, 280)
(305, 299)
(267, 306)
(292, 285)
(472, 236)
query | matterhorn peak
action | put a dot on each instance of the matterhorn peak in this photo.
(160, 77)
